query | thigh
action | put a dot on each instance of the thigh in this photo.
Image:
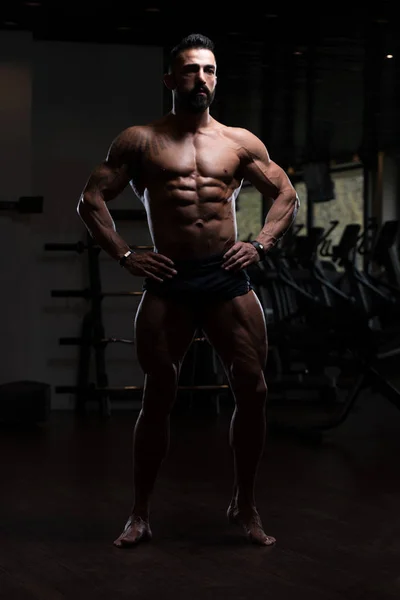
(237, 331)
(164, 330)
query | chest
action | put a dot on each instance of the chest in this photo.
(200, 156)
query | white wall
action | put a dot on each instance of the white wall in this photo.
(62, 104)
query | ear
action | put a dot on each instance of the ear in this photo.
(169, 81)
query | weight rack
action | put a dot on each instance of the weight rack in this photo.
(93, 340)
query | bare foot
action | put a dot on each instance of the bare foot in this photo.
(252, 526)
(136, 530)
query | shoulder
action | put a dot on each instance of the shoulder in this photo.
(137, 137)
(130, 139)
(248, 144)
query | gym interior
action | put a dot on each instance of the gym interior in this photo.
(321, 88)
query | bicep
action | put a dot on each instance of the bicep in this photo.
(267, 177)
(107, 180)
(111, 176)
(257, 167)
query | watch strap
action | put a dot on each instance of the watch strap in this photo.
(124, 258)
(259, 247)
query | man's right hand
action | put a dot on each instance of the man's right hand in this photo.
(150, 264)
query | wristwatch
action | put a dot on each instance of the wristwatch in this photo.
(260, 249)
(123, 258)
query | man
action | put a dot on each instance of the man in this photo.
(188, 169)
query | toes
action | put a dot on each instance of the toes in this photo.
(269, 540)
(124, 542)
(131, 537)
(261, 539)
(119, 542)
(253, 528)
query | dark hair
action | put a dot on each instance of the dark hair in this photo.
(194, 40)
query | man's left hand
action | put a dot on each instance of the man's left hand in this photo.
(240, 256)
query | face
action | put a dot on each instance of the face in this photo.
(194, 79)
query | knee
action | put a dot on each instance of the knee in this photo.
(249, 382)
(159, 394)
(161, 382)
(161, 375)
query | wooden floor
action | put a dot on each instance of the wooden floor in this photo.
(333, 505)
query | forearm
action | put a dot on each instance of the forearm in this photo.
(279, 219)
(98, 221)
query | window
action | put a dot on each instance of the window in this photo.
(347, 207)
(249, 213)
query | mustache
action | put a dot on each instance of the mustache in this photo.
(203, 89)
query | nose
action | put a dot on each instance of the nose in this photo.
(201, 75)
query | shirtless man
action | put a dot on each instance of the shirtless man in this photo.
(187, 168)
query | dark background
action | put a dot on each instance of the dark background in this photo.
(319, 70)
(315, 82)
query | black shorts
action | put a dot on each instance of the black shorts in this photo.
(201, 281)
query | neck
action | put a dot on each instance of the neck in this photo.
(189, 121)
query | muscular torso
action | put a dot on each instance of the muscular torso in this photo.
(188, 184)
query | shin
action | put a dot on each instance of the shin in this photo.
(151, 434)
(247, 434)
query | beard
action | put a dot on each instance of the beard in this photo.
(194, 101)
